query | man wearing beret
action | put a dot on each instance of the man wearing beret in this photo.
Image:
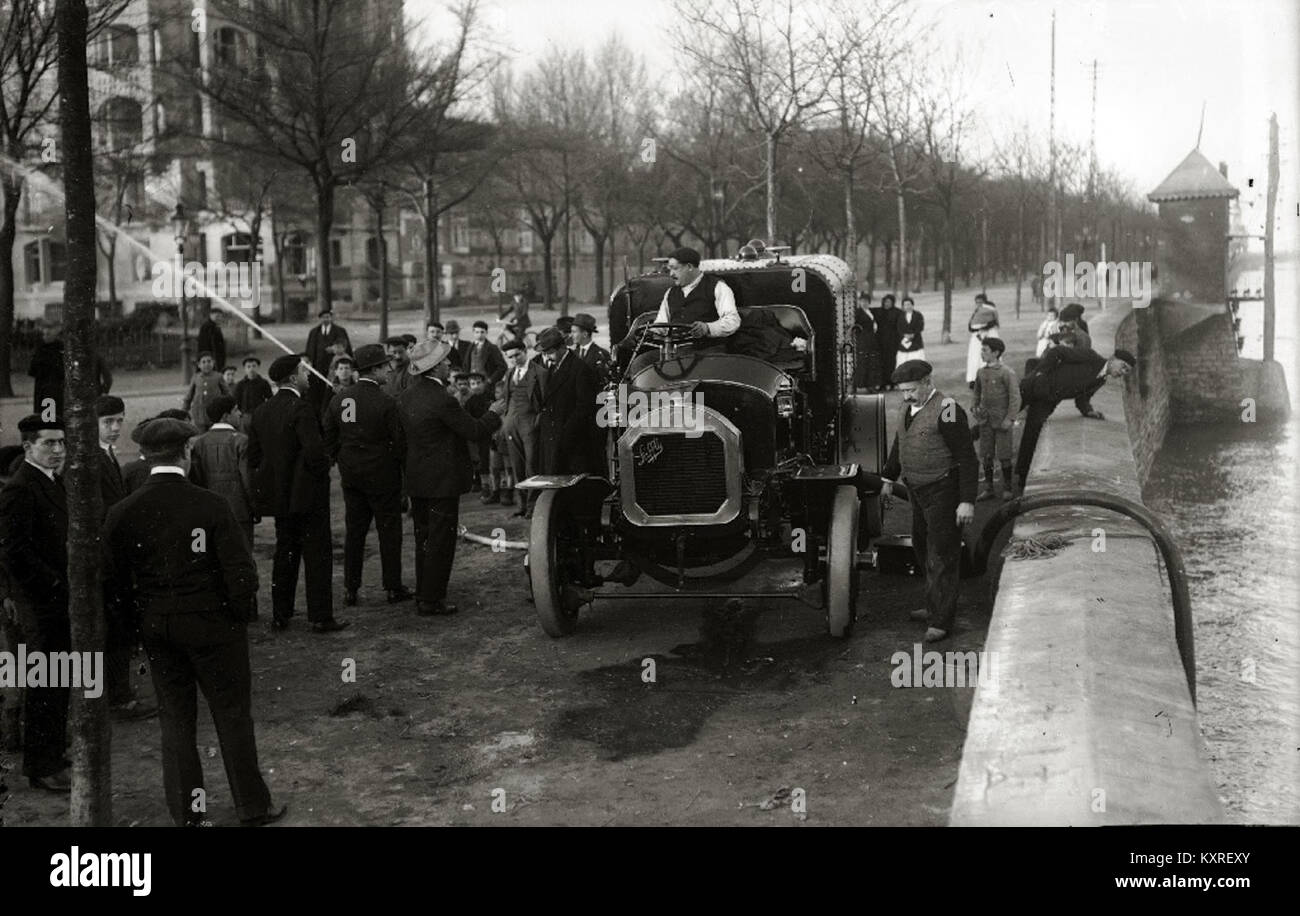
(705, 303)
(291, 480)
(364, 436)
(567, 432)
(438, 433)
(1063, 372)
(934, 456)
(178, 568)
(33, 548)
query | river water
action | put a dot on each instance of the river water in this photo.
(1229, 493)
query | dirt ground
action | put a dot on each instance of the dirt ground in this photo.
(448, 715)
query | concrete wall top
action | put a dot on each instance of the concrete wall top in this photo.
(1088, 720)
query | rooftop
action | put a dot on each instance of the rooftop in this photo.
(1194, 178)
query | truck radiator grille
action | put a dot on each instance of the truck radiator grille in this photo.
(676, 475)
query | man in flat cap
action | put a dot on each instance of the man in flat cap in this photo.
(364, 436)
(291, 480)
(219, 462)
(1063, 372)
(398, 350)
(177, 567)
(251, 392)
(587, 350)
(33, 548)
(523, 416)
(933, 454)
(567, 432)
(438, 435)
(137, 472)
(705, 303)
(484, 357)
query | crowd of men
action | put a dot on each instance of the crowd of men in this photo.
(411, 425)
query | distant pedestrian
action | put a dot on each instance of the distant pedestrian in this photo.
(320, 341)
(1036, 289)
(212, 340)
(516, 312)
(523, 411)
(219, 462)
(1049, 326)
(192, 605)
(291, 481)
(982, 325)
(47, 372)
(1063, 372)
(205, 387)
(911, 324)
(251, 392)
(887, 337)
(868, 345)
(997, 402)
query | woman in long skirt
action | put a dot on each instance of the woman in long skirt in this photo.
(864, 326)
(886, 338)
(911, 323)
(983, 323)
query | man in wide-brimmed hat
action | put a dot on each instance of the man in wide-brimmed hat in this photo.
(438, 434)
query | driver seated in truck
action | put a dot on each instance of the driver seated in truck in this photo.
(705, 303)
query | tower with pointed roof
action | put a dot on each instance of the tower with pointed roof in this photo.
(1194, 202)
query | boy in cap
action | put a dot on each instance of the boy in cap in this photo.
(933, 454)
(484, 357)
(251, 392)
(137, 472)
(997, 401)
(219, 462)
(204, 388)
(33, 548)
(476, 404)
(192, 608)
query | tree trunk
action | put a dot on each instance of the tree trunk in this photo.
(850, 228)
(91, 802)
(430, 233)
(324, 225)
(13, 187)
(567, 249)
(111, 257)
(889, 264)
(435, 269)
(770, 156)
(383, 271)
(548, 269)
(902, 242)
(599, 241)
(948, 271)
(1020, 250)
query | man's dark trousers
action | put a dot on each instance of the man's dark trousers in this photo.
(435, 520)
(207, 650)
(45, 628)
(936, 541)
(303, 537)
(1036, 414)
(359, 507)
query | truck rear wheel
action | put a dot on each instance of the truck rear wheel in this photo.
(841, 580)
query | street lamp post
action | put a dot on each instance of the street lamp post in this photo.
(181, 227)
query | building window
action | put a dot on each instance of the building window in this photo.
(32, 262)
(121, 124)
(201, 188)
(372, 252)
(236, 247)
(336, 252)
(197, 111)
(295, 254)
(58, 260)
(117, 46)
(460, 234)
(159, 117)
(525, 240)
(155, 45)
(231, 47)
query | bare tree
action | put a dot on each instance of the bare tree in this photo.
(771, 57)
(28, 48)
(897, 111)
(1021, 166)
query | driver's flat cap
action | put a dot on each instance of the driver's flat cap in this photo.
(686, 256)
(550, 339)
(912, 371)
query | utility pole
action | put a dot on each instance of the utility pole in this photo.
(1270, 216)
(1092, 162)
(1053, 248)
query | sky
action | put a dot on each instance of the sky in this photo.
(1158, 62)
